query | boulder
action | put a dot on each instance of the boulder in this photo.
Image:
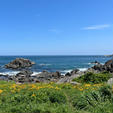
(74, 71)
(95, 62)
(68, 74)
(108, 66)
(23, 76)
(47, 76)
(110, 81)
(26, 73)
(98, 67)
(3, 77)
(19, 63)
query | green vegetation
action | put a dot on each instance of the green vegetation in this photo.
(94, 78)
(54, 98)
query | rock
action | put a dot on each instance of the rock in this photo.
(74, 71)
(64, 80)
(68, 74)
(47, 76)
(110, 81)
(23, 76)
(98, 67)
(19, 63)
(27, 73)
(3, 77)
(95, 62)
(108, 66)
(91, 70)
(74, 83)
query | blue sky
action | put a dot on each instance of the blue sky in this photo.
(56, 27)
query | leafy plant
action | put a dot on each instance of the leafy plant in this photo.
(93, 78)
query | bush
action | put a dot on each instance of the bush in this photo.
(93, 78)
(98, 101)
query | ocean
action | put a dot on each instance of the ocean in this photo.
(63, 64)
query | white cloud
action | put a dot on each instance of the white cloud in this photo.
(97, 27)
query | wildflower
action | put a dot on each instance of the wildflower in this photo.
(81, 89)
(87, 85)
(57, 88)
(1, 91)
(33, 95)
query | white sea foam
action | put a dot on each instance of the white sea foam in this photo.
(9, 73)
(82, 69)
(44, 64)
(66, 71)
(35, 73)
(15, 72)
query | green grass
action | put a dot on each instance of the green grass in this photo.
(54, 98)
(94, 78)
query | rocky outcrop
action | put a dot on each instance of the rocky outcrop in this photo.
(27, 76)
(3, 77)
(95, 62)
(23, 76)
(47, 76)
(110, 81)
(108, 66)
(73, 72)
(19, 63)
(98, 67)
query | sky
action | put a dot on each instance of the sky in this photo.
(56, 27)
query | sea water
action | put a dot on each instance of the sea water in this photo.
(63, 64)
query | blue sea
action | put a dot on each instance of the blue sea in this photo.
(63, 64)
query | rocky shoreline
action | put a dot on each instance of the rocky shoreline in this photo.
(27, 76)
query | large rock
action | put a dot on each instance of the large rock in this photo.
(108, 66)
(23, 76)
(27, 73)
(98, 67)
(95, 62)
(19, 63)
(73, 72)
(3, 77)
(47, 76)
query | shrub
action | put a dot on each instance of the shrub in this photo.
(93, 78)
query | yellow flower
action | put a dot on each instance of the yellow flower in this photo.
(33, 95)
(1, 91)
(57, 88)
(81, 89)
(87, 85)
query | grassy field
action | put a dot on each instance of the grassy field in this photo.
(53, 98)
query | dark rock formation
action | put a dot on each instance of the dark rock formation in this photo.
(68, 74)
(19, 63)
(74, 71)
(3, 77)
(98, 67)
(23, 76)
(26, 76)
(108, 66)
(95, 62)
(48, 76)
(25, 72)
